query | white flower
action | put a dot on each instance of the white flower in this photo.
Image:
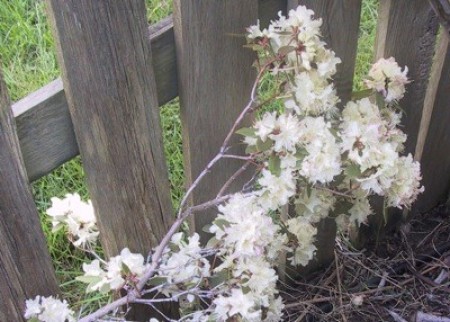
(304, 233)
(313, 95)
(244, 228)
(405, 183)
(276, 190)
(95, 276)
(323, 159)
(185, 265)
(387, 78)
(361, 208)
(33, 307)
(77, 215)
(125, 265)
(286, 133)
(258, 275)
(314, 205)
(266, 125)
(236, 303)
(48, 309)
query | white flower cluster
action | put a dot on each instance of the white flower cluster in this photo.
(48, 309)
(387, 78)
(78, 216)
(296, 38)
(121, 270)
(248, 243)
(314, 161)
(329, 160)
(184, 265)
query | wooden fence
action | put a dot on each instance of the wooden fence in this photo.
(116, 71)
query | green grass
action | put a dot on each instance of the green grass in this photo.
(29, 62)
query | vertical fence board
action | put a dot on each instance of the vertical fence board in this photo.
(435, 159)
(109, 82)
(25, 266)
(407, 31)
(110, 86)
(215, 77)
(340, 31)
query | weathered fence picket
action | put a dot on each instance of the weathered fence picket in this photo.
(26, 269)
(215, 78)
(109, 83)
(435, 158)
(411, 24)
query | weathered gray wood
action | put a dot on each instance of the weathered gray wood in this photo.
(269, 9)
(340, 31)
(407, 31)
(215, 77)
(44, 126)
(442, 10)
(109, 83)
(25, 266)
(435, 159)
(45, 129)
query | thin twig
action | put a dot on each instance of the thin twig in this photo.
(232, 178)
(338, 276)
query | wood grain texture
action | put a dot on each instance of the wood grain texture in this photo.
(25, 266)
(215, 77)
(109, 82)
(269, 9)
(407, 31)
(45, 130)
(435, 161)
(44, 126)
(340, 31)
(442, 10)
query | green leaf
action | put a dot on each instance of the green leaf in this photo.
(221, 223)
(212, 243)
(381, 103)
(275, 164)
(157, 280)
(218, 279)
(264, 145)
(301, 154)
(362, 94)
(352, 171)
(88, 279)
(284, 50)
(246, 131)
(206, 228)
(125, 269)
(250, 149)
(342, 206)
